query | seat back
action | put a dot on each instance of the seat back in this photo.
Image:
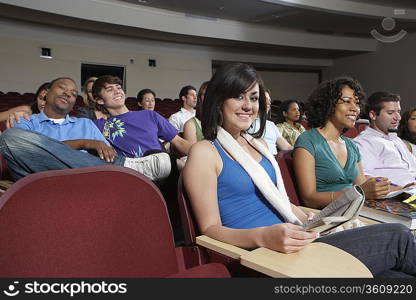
(106, 221)
(4, 169)
(361, 126)
(131, 103)
(190, 227)
(285, 161)
(305, 124)
(351, 133)
(191, 231)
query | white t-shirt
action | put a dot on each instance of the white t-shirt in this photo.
(179, 118)
(270, 134)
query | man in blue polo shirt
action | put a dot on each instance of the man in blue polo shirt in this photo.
(51, 139)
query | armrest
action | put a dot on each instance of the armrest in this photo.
(316, 260)
(220, 247)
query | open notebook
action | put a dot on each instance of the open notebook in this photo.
(411, 191)
(338, 212)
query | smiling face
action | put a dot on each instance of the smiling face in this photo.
(148, 102)
(239, 113)
(112, 96)
(60, 98)
(347, 109)
(388, 119)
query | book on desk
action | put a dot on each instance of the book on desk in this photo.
(392, 210)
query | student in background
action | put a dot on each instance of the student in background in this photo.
(326, 162)
(383, 152)
(192, 131)
(91, 110)
(220, 173)
(271, 134)
(146, 99)
(53, 140)
(132, 133)
(288, 121)
(407, 130)
(189, 97)
(13, 115)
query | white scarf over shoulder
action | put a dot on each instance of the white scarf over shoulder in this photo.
(276, 195)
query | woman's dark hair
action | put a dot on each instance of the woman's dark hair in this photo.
(143, 92)
(321, 103)
(202, 91)
(403, 130)
(230, 81)
(34, 106)
(284, 107)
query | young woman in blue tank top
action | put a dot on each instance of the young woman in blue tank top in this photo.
(229, 207)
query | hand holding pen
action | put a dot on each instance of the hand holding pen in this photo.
(376, 187)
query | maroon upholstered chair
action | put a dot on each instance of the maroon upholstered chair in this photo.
(285, 161)
(351, 133)
(190, 227)
(305, 124)
(191, 231)
(105, 221)
(3, 126)
(361, 126)
(4, 169)
(13, 94)
(131, 103)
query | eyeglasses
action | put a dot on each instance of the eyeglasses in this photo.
(349, 100)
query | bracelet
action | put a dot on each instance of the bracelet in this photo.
(332, 196)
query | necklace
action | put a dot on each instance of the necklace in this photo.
(336, 140)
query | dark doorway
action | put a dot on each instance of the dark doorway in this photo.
(96, 70)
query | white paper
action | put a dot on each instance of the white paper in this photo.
(409, 190)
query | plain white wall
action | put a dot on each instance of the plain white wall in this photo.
(290, 85)
(23, 70)
(177, 64)
(390, 68)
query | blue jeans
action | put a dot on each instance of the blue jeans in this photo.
(388, 250)
(28, 152)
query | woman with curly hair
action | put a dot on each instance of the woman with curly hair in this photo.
(288, 121)
(407, 129)
(326, 162)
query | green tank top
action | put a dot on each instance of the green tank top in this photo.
(198, 130)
